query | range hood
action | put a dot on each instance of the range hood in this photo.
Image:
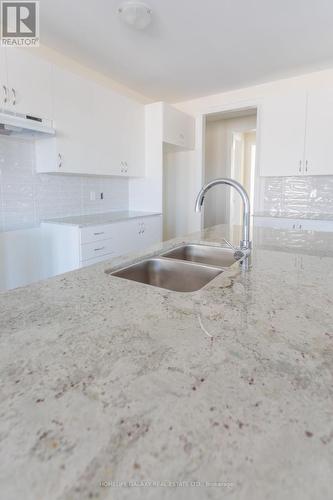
(24, 124)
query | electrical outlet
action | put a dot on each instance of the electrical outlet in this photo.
(92, 196)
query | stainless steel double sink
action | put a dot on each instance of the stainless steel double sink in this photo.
(186, 268)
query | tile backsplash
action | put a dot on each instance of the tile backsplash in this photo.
(298, 195)
(26, 198)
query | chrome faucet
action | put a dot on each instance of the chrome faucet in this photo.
(245, 243)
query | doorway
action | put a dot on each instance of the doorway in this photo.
(230, 151)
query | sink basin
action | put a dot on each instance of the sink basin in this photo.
(210, 255)
(173, 275)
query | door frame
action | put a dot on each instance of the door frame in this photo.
(232, 107)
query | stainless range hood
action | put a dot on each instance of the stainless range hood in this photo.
(26, 124)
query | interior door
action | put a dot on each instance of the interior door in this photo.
(30, 83)
(318, 149)
(282, 135)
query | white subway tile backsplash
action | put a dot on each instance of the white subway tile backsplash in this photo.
(26, 198)
(299, 195)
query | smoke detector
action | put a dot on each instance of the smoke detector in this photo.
(135, 14)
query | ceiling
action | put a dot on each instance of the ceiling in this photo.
(193, 47)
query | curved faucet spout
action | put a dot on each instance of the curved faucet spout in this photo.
(245, 243)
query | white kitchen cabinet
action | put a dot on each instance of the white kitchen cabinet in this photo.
(294, 224)
(150, 231)
(120, 141)
(178, 127)
(72, 150)
(98, 131)
(133, 134)
(29, 80)
(4, 96)
(319, 150)
(282, 135)
(72, 247)
(105, 130)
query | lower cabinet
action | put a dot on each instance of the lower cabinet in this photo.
(73, 247)
(294, 224)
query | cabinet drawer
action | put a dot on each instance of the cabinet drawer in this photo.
(96, 249)
(97, 233)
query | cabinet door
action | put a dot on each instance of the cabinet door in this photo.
(4, 96)
(152, 230)
(318, 150)
(30, 83)
(178, 128)
(133, 138)
(282, 135)
(106, 127)
(73, 123)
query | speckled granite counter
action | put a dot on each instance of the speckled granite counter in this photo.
(107, 380)
(97, 219)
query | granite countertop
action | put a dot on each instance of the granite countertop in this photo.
(105, 381)
(96, 219)
(288, 215)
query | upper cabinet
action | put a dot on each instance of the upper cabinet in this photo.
(117, 129)
(27, 87)
(71, 150)
(319, 133)
(98, 131)
(178, 127)
(133, 132)
(282, 135)
(296, 134)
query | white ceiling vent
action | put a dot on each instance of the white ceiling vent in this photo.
(135, 14)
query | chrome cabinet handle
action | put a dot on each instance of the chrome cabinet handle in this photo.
(98, 234)
(60, 160)
(99, 249)
(5, 94)
(306, 165)
(14, 97)
(300, 166)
